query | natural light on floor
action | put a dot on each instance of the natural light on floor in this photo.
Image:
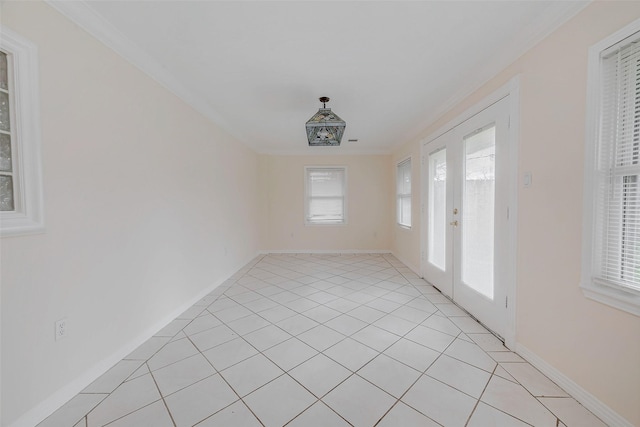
(323, 340)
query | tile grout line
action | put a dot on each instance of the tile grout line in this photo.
(162, 397)
(478, 400)
(369, 324)
(240, 399)
(498, 409)
(357, 273)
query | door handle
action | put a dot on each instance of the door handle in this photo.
(454, 223)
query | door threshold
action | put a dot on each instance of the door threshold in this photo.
(491, 331)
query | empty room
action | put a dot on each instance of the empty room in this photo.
(319, 213)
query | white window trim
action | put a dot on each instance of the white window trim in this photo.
(28, 218)
(618, 298)
(306, 197)
(398, 195)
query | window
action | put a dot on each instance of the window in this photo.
(20, 173)
(6, 164)
(611, 251)
(325, 194)
(403, 192)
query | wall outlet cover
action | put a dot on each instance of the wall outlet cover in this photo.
(61, 329)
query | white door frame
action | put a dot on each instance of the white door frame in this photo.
(511, 90)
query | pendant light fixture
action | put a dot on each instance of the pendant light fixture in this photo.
(325, 128)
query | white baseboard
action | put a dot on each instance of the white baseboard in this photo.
(66, 393)
(588, 400)
(327, 251)
(343, 252)
(408, 264)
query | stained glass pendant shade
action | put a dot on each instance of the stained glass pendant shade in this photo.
(325, 128)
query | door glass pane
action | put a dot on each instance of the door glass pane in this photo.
(478, 211)
(437, 208)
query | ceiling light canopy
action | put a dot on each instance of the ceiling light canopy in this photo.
(325, 128)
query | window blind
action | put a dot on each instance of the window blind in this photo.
(403, 191)
(617, 234)
(325, 195)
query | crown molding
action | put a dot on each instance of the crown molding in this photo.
(84, 16)
(557, 15)
(325, 151)
(93, 23)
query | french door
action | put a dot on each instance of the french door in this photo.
(466, 206)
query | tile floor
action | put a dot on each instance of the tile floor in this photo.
(323, 340)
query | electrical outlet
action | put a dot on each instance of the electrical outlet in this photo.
(61, 329)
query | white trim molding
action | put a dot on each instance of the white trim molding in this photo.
(588, 400)
(592, 287)
(28, 217)
(621, 300)
(308, 196)
(514, 150)
(342, 150)
(558, 13)
(405, 160)
(66, 393)
(92, 22)
(510, 90)
(409, 265)
(326, 252)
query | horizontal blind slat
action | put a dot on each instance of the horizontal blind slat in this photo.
(618, 189)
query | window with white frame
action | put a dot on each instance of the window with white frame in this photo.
(611, 251)
(21, 199)
(325, 195)
(403, 193)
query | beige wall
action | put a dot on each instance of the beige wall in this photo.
(369, 204)
(142, 197)
(594, 345)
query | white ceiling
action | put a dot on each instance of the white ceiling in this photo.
(258, 68)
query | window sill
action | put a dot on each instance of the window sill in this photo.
(14, 224)
(625, 301)
(404, 227)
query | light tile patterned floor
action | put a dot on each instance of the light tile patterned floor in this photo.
(323, 340)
